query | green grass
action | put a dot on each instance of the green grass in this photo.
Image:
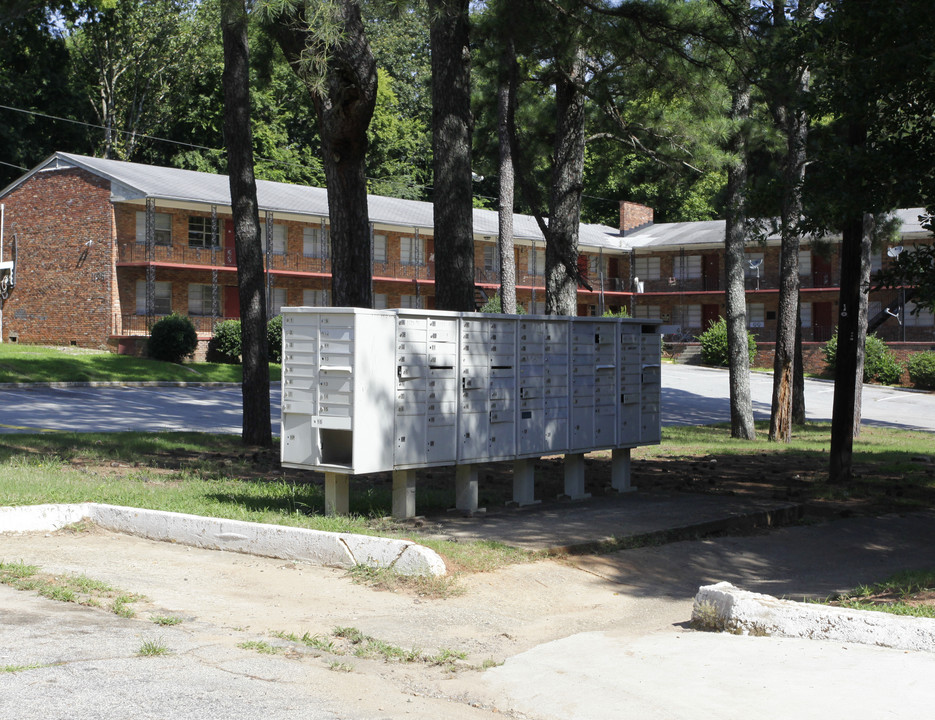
(36, 363)
(152, 648)
(20, 668)
(78, 589)
(216, 476)
(166, 620)
(898, 594)
(262, 647)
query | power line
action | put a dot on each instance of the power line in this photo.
(166, 140)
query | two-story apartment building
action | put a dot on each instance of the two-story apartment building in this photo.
(105, 247)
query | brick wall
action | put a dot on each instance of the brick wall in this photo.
(64, 226)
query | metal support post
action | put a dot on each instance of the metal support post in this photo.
(620, 470)
(336, 494)
(466, 488)
(150, 260)
(524, 475)
(404, 494)
(574, 477)
(269, 264)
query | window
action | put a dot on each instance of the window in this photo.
(646, 311)
(199, 232)
(805, 263)
(876, 261)
(200, 300)
(379, 248)
(410, 301)
(752, 272)
(646, 268)
(163, 234)
(279, 301)
(805, 312)
(874, 308)
(379, 301)
(163, 304)
(316, 298)
(537, 308)
(279, 238)
(756, 313)
(597, 268)
(924, 318)
(687, 268)
(691, 316)
(316, 242)
(491, 258)
(536, 262)
(411, 251)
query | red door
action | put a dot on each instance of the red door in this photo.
(709, 315)
(230, 252)
(710, 272)
(821, 271)
(822, 322)
(231, 302)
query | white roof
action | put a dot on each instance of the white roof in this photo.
(134, 181)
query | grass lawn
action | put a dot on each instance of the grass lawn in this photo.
(36, 363)
(215, 475)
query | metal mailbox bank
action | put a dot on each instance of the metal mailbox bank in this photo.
(367, 391)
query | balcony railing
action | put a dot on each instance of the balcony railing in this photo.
(139, 325)
(768, 282)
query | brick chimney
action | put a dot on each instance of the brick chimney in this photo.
(634, 216)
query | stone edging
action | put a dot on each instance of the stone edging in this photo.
(725, 607)
(316, 547)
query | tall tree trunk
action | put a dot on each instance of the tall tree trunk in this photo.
(251, 284)
(741, 404)
(796, 132)
(862, 309)
(506, 92)
(344, 103)
(561, 251)
(851, 332)
(453, 202)
(798, 377)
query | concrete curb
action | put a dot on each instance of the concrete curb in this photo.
(725, 607)
(316, 547)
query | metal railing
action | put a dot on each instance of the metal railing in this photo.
(138, 324)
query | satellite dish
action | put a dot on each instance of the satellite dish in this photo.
(754, 264)
(893, 252)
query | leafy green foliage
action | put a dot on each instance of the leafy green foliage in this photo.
(227, 343)
(714, 348)
(274, 339)
(880, 363)
(493, 306)
(621, 313)
(922, 369)
(172, 338)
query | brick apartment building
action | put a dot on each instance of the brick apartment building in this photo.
(104, 247)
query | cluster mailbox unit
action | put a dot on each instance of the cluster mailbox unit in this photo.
(367, 391)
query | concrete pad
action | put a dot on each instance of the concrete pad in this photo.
(344, 550)
(668, 675)
(725, 607)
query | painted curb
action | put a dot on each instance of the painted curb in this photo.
(725, 607)
(316, 547)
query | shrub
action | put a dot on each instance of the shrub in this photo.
(714, 350)
(622, 313)
(493, 306)
(172, 338)
(274, 339)
(922, 369)
(880, 362)
(227, 344)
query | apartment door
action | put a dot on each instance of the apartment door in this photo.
(821, 271)
(822, 321)
(709, 315)
(231, 302)
(613, 273)
(710, 272)
(230, 248)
